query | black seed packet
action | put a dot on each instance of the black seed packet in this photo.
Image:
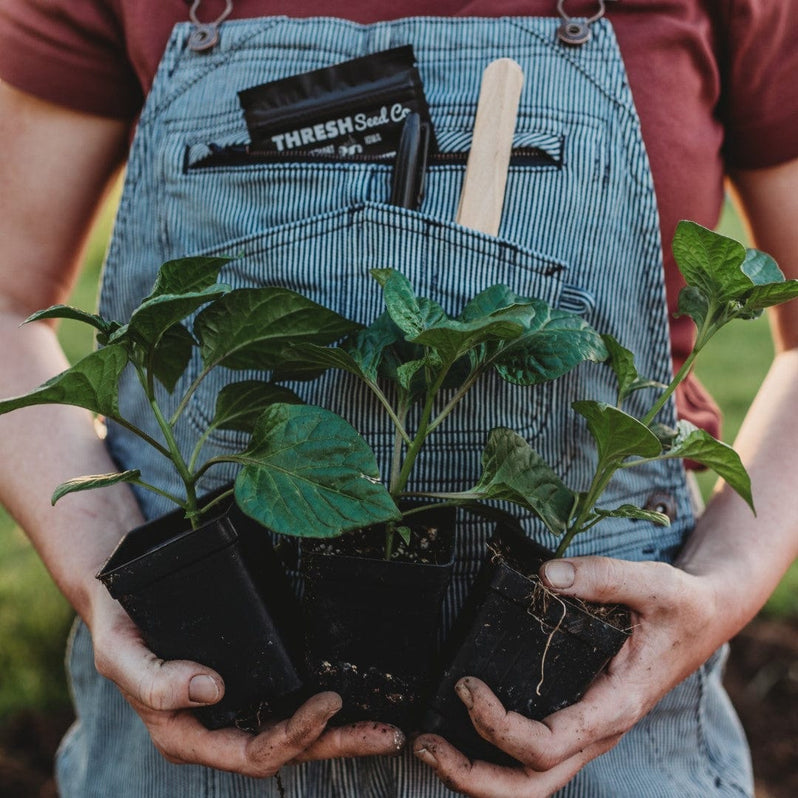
(354, 108)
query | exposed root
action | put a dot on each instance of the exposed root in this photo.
(548, 644)
(494, 552)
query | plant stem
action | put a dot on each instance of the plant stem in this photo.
(666, 394)
(423, 507)
(192, 462)
(153, 489)
(175, 454)
(389, 536)
(418, 440)
(586, 502)
(453, 402)
(218, 500)
(238, 459)
(141, 434)
(398, 421)
(399, 437)
(189, 393)
(706, 331)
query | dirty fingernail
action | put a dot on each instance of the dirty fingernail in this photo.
(425, 755)
(559, 574)
(203, 690)
(465, 694)
(399, 740)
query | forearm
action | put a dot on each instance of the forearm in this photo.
(744, 556)
(51, 444)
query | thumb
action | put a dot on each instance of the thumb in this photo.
(153, 682)
(603, 579)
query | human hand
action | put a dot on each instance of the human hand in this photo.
(676, 627)
(163, 692)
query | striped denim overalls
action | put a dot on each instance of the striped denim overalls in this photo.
(579, 229)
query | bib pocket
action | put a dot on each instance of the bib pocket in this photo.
(234, 191)
(328, 258)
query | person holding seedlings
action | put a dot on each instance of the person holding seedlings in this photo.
(629, 121)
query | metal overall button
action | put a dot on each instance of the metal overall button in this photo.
(205, 35)
(575, 32)
(662, 503)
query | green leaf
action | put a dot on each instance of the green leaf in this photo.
(187, 275)
(761, 268)
(250, 328)
(400, 301)
(725, 281)
(617, 434)
(451, 339)
(513, 471)
(636, 513)
(410, 313)
(172, 356)
(240, 404)
(766, 296)
(308, 473)
(395, 367)
(74, 314)
(710, 262)
(366, 353)
(155, 316)
(665, 434)
(770, 288)
(370, 347)
(91, 383)
(693, 303)
(410, 376)
(621, 361)
(181, 288)
(554, 342)
(698, 445)
(90, 482)
(308, 361)
(405, 533)
(495, 298)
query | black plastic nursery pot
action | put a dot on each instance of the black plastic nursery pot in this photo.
(538, 652)
(372, 625)
(216, 595)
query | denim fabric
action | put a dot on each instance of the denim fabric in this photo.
(579, 230)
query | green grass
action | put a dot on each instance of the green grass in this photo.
(34, 618)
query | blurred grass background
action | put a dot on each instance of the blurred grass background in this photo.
(34, 618)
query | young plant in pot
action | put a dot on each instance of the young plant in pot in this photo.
(201, 582)
(537, 651)
(372, 599)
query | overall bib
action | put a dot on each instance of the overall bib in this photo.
(579, 229)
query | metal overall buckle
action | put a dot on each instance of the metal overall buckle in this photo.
(576, 32)
(205, 35)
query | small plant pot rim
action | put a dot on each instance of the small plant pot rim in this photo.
(134, 565)
(563, 613)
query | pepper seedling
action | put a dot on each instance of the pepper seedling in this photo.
(305, 471)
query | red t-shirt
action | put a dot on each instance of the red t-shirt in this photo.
(715, 82)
